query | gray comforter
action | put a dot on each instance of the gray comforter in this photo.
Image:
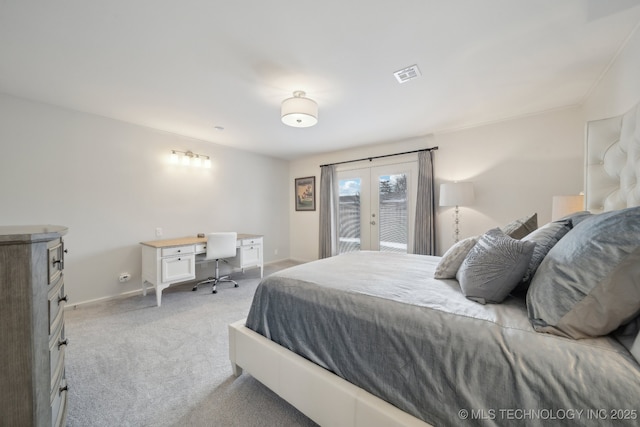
(382, 322)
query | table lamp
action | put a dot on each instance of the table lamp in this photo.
(565, 205)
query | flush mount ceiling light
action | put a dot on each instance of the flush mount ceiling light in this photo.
(299, 112)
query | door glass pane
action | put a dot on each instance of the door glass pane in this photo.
(393, 218)
(349, 215)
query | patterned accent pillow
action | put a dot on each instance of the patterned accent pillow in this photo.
(453, 258)
(589, 282)
(494, 266)
(521, 227)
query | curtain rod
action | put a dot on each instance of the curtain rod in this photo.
(379, 157)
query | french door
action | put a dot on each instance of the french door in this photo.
(377, 208)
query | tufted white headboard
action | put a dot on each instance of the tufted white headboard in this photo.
(612, 162)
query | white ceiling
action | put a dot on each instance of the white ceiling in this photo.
(191, 65)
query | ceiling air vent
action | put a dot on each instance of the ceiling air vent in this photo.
(407, 74)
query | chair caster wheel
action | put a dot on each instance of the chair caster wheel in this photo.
(214, 292)
(194, 289)
(236, 286)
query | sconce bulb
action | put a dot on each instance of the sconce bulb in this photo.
(189, 158)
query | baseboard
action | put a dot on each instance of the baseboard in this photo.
(301, 261)
(139, 291)
(102, 299)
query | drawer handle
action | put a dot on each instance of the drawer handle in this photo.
(64, 298)
(61, 343)
(56, 261)
(63, 389)
(179, 259)
(179, 250)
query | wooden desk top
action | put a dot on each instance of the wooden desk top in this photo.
(190, 240)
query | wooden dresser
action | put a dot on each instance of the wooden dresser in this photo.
(33, 389)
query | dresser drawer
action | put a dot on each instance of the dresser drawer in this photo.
(59, 405)
(57, 347)
(56, 302)
(56, 261)
(178, 250)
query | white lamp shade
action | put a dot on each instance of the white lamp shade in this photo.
(565, 205)
(299, 111)
(456, 194)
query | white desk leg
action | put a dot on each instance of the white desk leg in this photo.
(159, 288)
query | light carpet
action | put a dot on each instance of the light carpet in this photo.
(130, 363)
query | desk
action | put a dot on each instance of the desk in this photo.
(169, 261)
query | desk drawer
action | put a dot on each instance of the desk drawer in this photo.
(251, 255)
(250, 242)
(179, 268)
(178, 250)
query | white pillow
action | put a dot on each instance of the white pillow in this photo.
(453, 258)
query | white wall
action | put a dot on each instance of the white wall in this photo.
(517, 166)
(110, 182)
(619, 89)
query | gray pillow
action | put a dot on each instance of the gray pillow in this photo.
(545, 238)
(521, 227)
(635, 348)
(589, 282)
(453, 258)
(577, 217)
(629, 336)
(494, 266)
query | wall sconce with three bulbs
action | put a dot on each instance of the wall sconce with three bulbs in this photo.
(189, 158)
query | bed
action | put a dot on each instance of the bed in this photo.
(373, 339)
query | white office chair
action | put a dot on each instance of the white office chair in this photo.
(219, 246)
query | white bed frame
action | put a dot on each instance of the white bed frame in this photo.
(612, 181)
(319, 394)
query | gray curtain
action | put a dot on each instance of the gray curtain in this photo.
(424, 240)
(328, 211)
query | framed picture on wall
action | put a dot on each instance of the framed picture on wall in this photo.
(305, 191)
